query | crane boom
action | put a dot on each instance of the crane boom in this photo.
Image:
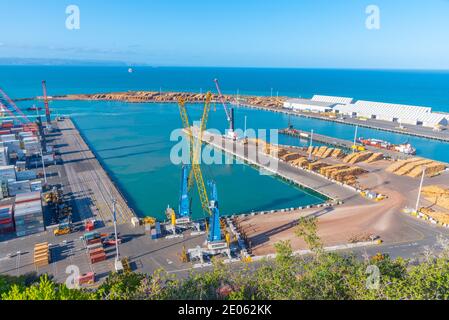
(47, 109)
(229, 112)
(202, 192)
(197, 147)
(223, 102)
(7, 101)
(5, 108)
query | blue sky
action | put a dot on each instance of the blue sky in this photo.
(255, 33)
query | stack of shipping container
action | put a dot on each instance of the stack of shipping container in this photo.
(28, 214)
(6, 219)
(19, 145)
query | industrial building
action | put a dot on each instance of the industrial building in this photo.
(402, 114)
(308, 105)
(333, 99)
(317, 104)
(399, 113)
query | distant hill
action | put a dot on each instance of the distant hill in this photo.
(59, 62)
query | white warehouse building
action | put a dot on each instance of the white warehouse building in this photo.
(308, 105)
(402, 114)
(318, 103)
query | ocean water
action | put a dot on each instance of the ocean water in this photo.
(426, 88)
(132, 140)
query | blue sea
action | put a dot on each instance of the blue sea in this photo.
(132, 140)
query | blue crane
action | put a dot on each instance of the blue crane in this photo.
(184, 200)
(214, 220)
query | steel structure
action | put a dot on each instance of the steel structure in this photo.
(195, 149)
(229, 112)
(7, 102)
(47, 109)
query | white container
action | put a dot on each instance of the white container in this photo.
(4, 160)
(13, 146)
(18, 187)
(30, 139)
(7, 173)
(36, 185)
(7, 137)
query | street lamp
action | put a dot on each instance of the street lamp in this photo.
(311, 145)
(118, 263)
(420, 188)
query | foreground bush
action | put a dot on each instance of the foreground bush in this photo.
(320, 275)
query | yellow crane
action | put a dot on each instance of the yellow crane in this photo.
(195, 149)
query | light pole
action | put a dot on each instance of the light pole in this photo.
(118, 263)
(311, 144)
(420, 188)
(115, 228)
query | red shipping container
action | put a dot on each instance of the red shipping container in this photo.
(98, 258)
(87, 278)
(6, 221)
(96, 251)
(93, 241)
(2, 132)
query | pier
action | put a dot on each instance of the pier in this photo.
(410, 130)
(340, 143)
(91, 187)
(307, 180)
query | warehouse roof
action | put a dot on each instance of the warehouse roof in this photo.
(311, 102)
(389, 107)
(333, 99)
(402, 112)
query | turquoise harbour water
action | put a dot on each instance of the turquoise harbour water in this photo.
(132, 140)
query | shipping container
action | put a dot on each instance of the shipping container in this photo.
(28, 197)
(25, 175)
(98, 258)
(36, 185)
(19, 187)
(7, 173)
(8, 137)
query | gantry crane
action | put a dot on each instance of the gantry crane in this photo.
(184, 209)
(214, 238)
(195, 149)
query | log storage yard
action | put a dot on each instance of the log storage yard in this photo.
(60, 206)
